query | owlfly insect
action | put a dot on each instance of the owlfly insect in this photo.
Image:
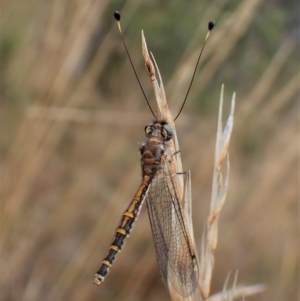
(174, 248)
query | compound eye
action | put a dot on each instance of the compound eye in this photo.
(167, 132)
(149, 130)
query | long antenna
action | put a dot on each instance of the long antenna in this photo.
(117, 16)
(211, 25)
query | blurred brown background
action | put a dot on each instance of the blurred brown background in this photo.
(72, 115)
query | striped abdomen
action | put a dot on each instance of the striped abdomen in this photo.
(123, 231)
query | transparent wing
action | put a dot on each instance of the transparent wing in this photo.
(174, 250)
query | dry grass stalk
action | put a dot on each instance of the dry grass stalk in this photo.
(173, 146)
(238, 292)
(219, 187)
(219, 190)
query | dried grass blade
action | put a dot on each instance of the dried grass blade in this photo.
(239, 291)
(219, 191)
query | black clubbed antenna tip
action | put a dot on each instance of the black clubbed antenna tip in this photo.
(117, 15)
(211, 25)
